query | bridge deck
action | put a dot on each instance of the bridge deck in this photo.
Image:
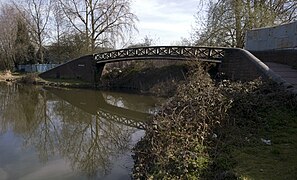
(212, 54)
(287, 72)
(89, 68)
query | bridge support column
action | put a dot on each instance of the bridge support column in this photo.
(98, 72)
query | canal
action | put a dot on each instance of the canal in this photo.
(50, 133)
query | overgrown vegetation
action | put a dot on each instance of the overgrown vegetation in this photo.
(8, 76)
(146, 76)
(203, 130)
(175, 145)
(30, 78)
(260, 139)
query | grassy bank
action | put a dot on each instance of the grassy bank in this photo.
(221, 130)
(34, 79)
(262, 140)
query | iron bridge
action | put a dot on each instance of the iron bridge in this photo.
(211, 54)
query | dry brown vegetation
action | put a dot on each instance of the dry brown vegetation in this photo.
(5, 75)
(175, 145)
(159, 78)
(30, 78)
(197, 131)
(8, 76)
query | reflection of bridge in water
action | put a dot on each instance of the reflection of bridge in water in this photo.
(94, 103)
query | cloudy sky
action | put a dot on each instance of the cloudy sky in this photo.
(165, 22)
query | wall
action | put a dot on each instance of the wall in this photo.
(272, 38)
(83, 68)
(287, 56)
(36, 67)
(240, 64)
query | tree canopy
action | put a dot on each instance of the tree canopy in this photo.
(227, 21)
(54, 30)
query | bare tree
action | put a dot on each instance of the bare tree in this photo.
(6, 39)
(228, 20)
(8, 34)
(59, 29)
(37, 13)
(15, 45)
(58, 22)
(146, 41)
(102, 22)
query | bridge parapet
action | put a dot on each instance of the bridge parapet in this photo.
(163, 52)
(89, 68)
(237, 64)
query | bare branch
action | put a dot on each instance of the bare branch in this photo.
(99, 19)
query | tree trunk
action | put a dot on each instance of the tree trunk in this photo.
(238, 28)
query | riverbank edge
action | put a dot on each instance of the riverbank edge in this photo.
(225, 162)
(156, 81)
(172, 150)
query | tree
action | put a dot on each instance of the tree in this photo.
(59, 30)
(36, 13)
(146, 41)
(24, 50)
(8, 31)
(15, 41)
(68, 47)
(228, 20)
(102, 22)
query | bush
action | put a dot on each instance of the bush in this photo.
(174, 146)
(5, 75)
(192, 135)
(30, 78)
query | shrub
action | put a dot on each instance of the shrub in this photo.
(174, 146)
(30, 78)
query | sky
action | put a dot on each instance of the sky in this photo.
(166, 22)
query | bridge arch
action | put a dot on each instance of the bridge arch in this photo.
(176, 53)
(235, 63)
(89, 68)
(212, 54)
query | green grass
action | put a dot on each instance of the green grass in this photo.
(257, 160)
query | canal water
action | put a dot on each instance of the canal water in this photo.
(69, 133)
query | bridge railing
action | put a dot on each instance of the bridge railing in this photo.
(172, 52)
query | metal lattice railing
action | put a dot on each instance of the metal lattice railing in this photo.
(166, 52)
(139, 124)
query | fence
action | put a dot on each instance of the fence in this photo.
(36, 67)
(272, 38)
